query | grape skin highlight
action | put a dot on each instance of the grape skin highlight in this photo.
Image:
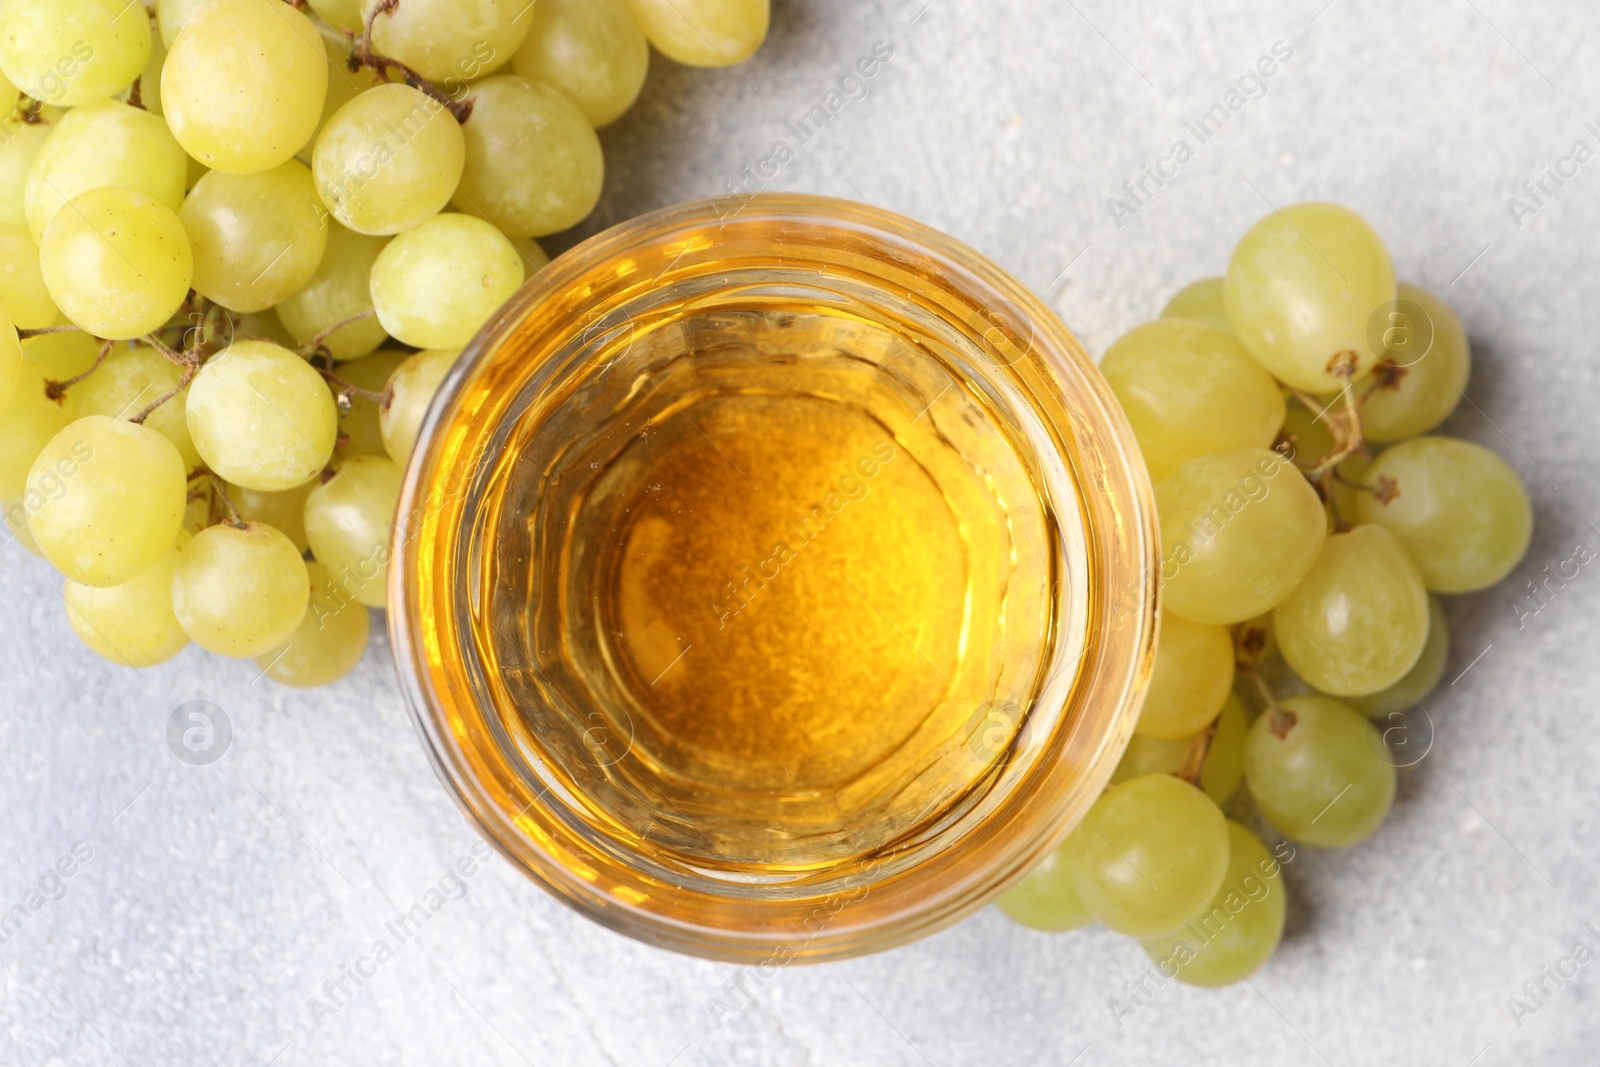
(117, 262)
(1359, 619)
(71, 52)
(106, 500)
(261, 417)
(257, 238)
(1189, 391)
(1460, 511)
(1154, 855)
(1314, 771)
(1301, 289)
(436, 285)
(533, 162)
(1239, 530)
(240, 591)
(244, 84)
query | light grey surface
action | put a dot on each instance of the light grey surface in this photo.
(219, 899)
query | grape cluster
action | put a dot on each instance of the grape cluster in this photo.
(241, 243)
(1307, 518)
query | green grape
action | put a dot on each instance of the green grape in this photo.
(263, 326)
(329, 641)
(1302, 286)
(1202, 303)
(591, 50)
(103, 144)
(349, 521)
(705, 33)
(411, 390)
(436, 285)
(262, 417)
(1192, 676)
(71, 52)
(20, 144)
(1154, 854)
(173, 15)
(10, 360)
(257, 238)
(60, 356)
(361, 426)
(1421, 388)
(1239, 530)
(340, 288)
(132, 623)
(389, 160)
(106, 500)
(283, 511)
(244, 84)
(117, 262)
(1358, 620)
(1047, 898)
(1189, 390)
(1457, 508)
(533, 162)
(1308, 431)
(1224, 763)
(343, 87)
(23, 293)
(15, 516)
(8, 92)
(534, 258)
(26, 425)
(1149, 755)
(1421, 679)
(1253, 642)
(340, 14)
(128, 382)
(1314, 770)
(150, 80)
(450, 41)
(1346, 486)
(1239, 931)
(240, 591)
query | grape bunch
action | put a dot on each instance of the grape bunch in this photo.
(241, 244)
(1308, 519)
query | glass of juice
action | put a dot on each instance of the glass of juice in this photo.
(774, 579)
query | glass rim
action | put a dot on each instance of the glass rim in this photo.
(1099, 705)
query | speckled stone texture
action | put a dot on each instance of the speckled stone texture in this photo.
(219, 899)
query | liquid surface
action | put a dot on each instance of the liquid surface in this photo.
(777, 587)
(790, 592)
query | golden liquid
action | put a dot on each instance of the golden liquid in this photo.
(784, 602)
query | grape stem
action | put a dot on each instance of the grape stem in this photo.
(1348, 440)
(28, 335)
(29, 110)
(189, 371)
(363, 55)
(1263, 688)
(219, 487)
(58, 390)
(314, 347)
(1194, 759)
(349, 389)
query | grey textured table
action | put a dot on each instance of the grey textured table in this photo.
(217, 901)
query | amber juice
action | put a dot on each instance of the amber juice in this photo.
(791, 589)
(774, 579)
